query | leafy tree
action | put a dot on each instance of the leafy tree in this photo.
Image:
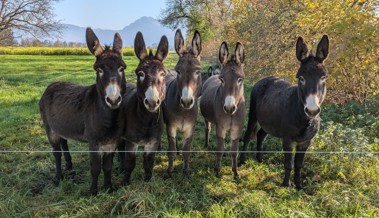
(269, 29)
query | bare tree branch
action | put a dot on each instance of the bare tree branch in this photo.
(34, 17)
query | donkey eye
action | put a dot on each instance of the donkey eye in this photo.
(302, 80)
(100, 71)
(222, 80)
(120, 69)
(141, 75)
(323, 78)
(239, 81)
(198, 72)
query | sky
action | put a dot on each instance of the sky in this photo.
(106, 14)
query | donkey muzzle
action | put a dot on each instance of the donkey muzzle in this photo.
(312, 106)
(229, 105)
(152, 101)
(113, 96)
(187, 100)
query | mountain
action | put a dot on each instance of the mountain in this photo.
(151, 29)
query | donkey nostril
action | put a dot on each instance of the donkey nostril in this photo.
(119, 99)
(107, 99)
(191, 101)
(146, 102)
(233, 108)
(158, 102)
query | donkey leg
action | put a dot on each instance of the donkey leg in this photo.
(95, 162)
(121, 155)
(57, 152)
(172, 143)
(261, 135)
(220, 150)
(235, 134)
(107, 169)
(287, 148)
(66, 154)
(207, 132)
(130, 161)
(299, 160)
(188, 135)
(148, 164)
(234, 150)
(55, 140)
(250, 130)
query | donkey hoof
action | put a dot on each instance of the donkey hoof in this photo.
(237, 178)
(68, 167)
(167, 176)
(286, 183)
(57, 179)
(259, 158)
(93, 192)
(148, 178)
(187, 173)
(299, 187)
(109, 189)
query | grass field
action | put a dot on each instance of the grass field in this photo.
(336, 185)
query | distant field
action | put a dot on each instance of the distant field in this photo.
(336, 185)
(53, 51)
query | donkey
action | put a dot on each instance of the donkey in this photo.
(290, 112)
(87, 113)
(223, 103)
(212, 70)
(141, 116)
(180, 106)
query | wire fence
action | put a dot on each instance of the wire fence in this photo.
(198, 151)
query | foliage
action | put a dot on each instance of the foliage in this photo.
(53, 51)
(336, 185)
(269, 29)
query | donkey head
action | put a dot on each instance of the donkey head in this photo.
(312, 76)
(213, 71)
(188, 69)
(151, 87)
(231, 77)
(109, 67)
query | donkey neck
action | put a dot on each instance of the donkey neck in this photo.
(146, 117)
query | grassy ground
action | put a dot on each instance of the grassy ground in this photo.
(336, 185)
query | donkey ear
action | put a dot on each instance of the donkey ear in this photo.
(239, 53)
(93, 42)
(323, 49)
(179, 43)
(223, 53)
(196, 44)
(162, 49)
(139, 47)
(117, 44)
(210, 71)
(301, 49)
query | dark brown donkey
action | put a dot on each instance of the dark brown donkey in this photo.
(87, 113)
(180, 106)
(223, 103)
(290, 112)
(141, 114)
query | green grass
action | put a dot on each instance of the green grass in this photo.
(336, 185)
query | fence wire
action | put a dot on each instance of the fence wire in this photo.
(199, 151)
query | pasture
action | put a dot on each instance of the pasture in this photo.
(342, 184)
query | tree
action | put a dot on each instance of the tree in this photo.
(269, 29)
(34, 17)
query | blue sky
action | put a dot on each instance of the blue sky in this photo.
(106, 14)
